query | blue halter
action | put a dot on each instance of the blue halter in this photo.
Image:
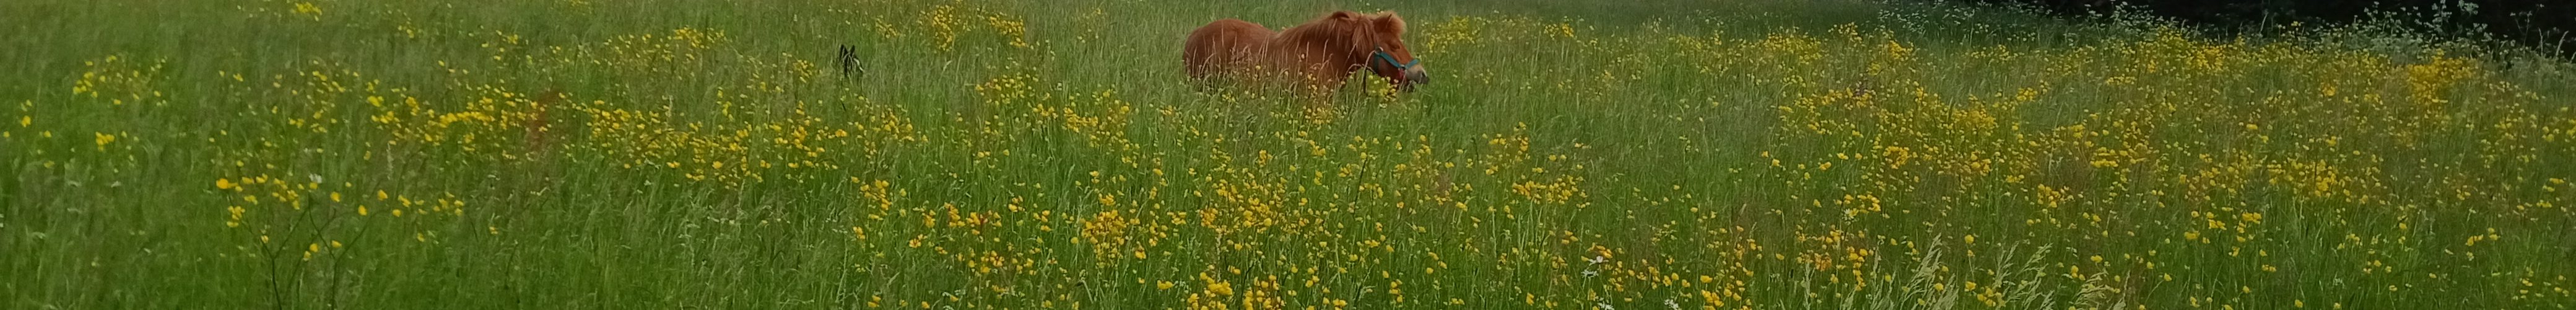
(1390, 60)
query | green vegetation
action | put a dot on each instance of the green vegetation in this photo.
(1049, 154)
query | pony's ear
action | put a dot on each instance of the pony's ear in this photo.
(1387, 20)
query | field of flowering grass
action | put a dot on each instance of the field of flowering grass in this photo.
(1668, 154)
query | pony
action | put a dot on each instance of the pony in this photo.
(1321, 53)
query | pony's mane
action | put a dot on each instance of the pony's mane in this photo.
(1330, 29)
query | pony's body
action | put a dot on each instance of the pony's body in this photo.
(1321, 54)
(1225, 47)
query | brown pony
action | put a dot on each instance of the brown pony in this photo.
(1322, 53)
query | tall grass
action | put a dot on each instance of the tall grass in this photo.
(1049, 154)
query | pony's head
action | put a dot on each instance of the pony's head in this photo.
(1382, 38)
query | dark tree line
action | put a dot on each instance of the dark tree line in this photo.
(2545, 24)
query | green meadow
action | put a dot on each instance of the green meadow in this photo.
(1020, 154)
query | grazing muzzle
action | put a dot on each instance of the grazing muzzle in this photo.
(1415, 75)
(1410, 71)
